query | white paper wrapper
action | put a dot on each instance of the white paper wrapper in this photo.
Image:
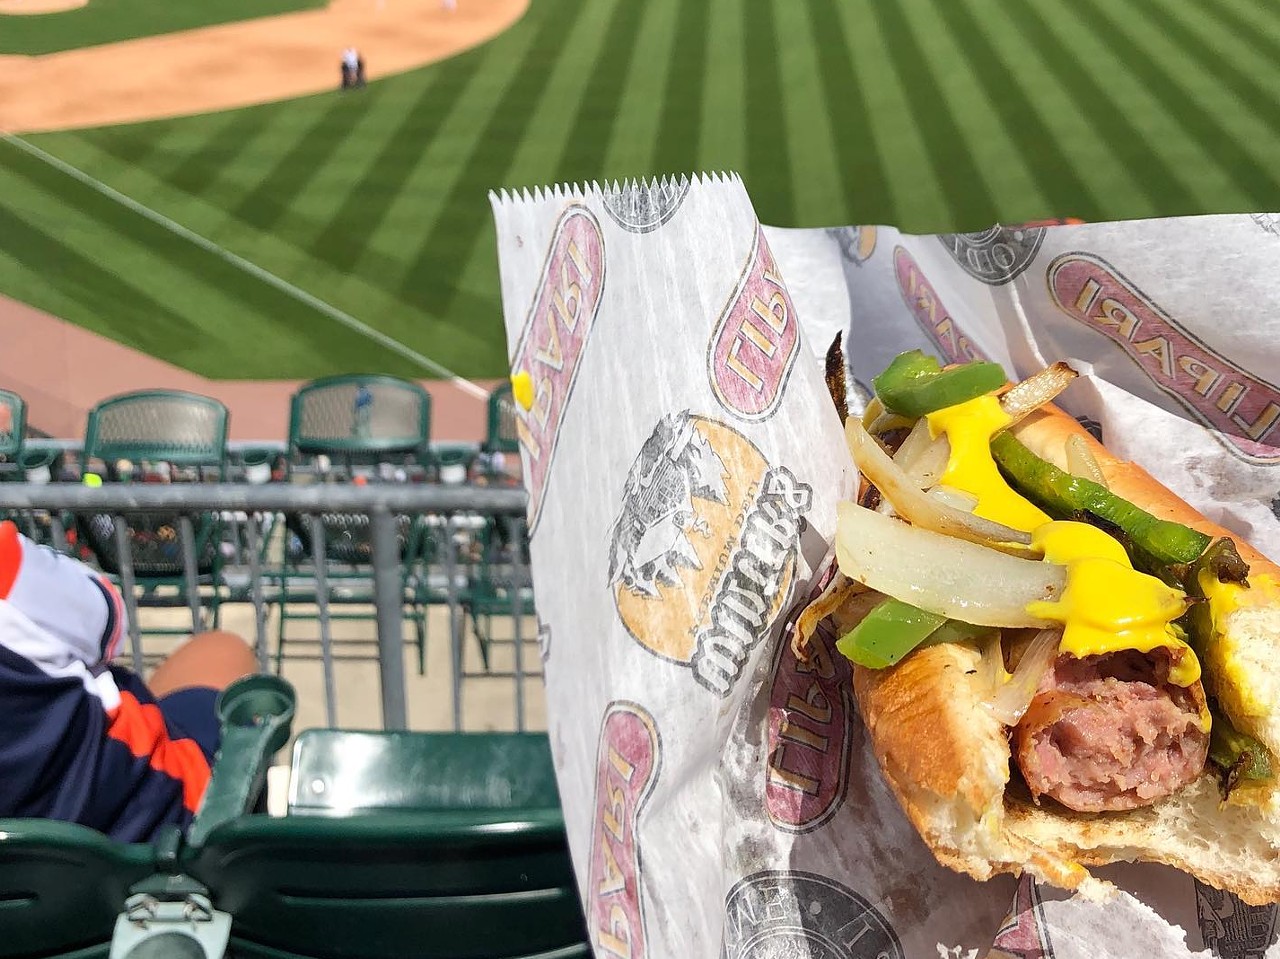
(684, 461)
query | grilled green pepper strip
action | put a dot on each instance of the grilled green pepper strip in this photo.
(915, 384)
(1223, 563)
(1061, 494)
(1237, 755)
(894, 628)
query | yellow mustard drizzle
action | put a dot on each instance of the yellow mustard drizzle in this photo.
(969, 427)
(1226, 598)
(1107, 605)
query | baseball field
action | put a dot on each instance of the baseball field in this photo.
(238, 243)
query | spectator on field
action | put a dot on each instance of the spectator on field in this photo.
(350, 67)
(82, 740)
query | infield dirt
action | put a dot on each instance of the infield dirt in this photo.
(238, 64)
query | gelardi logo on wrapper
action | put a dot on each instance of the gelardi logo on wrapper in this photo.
(626, 770)
(555, 335)
(857, 243)
(704, 550)
(810, 730)
(1230, 927)
(1022, 935)
(998, 255)
(929, 313)
(754, 346)
(778, 914)
(1240, 410)
(645, 206)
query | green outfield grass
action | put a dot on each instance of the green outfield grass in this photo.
(932, 115)
(109, 21)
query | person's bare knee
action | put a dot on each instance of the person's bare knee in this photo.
(214, 659)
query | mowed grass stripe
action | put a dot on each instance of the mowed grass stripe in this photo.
(557, 120)
(1002, 167)
(122, 142)
(600, 96)
(1251, 178)
(674, 147)
(1151, 174)
(1034, 94)
(405, 225)
(815, 172)
(767, 171)
(1242, 19)
(205, 214)
(219, 329)
(135, 318)
(201, 169)
(633, 147)
(346, 235)
(535, 159)
(430, 279)
(1052, 170)
(83, 149)
(269, 199)
(722, 143)
(862, 182)
(1199, 46)
(199, 268)
(1232, 33)
(917, 195)
(970, 203)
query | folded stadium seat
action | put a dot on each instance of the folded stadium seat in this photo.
(181, 436)
(13, 426)
(499, 583)
(502, 435)
(373, 422)
(21, 462)
(403, 844)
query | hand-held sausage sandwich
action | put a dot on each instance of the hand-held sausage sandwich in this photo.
(1060, 664)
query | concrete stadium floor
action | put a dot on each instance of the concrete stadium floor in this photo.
(488, 704)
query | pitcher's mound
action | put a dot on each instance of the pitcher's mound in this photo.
(18, 7)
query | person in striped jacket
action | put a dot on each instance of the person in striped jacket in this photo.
(82, 739)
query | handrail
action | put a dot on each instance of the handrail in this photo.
(381, 502)
(266, 498)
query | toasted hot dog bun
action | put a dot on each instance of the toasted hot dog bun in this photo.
(948, 758)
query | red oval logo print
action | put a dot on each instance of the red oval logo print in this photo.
(811, 713)
(755, 343)
(551, 346)
(929, 313)
(626, 770)
(1240, 409)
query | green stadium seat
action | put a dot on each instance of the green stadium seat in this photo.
(13, 425)
(63, 886)
(403, 844)
(502, 435)
(336, 772)
(187, 434)
(354, 420)
(460, 885)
